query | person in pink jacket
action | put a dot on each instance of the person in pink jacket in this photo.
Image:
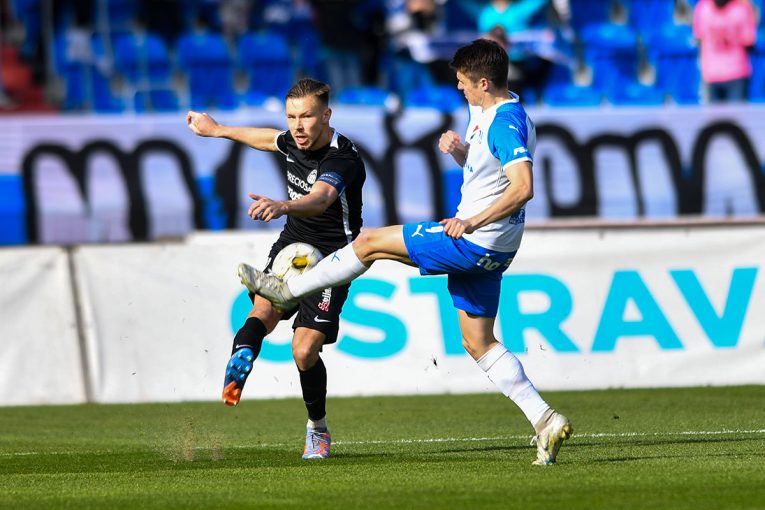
(726, 30)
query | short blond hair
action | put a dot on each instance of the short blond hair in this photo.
(309, 87)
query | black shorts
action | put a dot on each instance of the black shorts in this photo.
(320, 311)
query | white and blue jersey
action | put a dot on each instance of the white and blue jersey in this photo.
(495, 137)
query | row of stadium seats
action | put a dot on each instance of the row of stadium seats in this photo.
(614, 54)
(649, 60)
(147, 69)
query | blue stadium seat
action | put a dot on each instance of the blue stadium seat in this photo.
(571, 95)
(462, 14)
(143, 59)
(636, 94)
(86, 84)
(650, 16)
(121, 13)
(612, 54)
(208, 65)
(757, 82)
(156, 100)
(444, 98)
(266, 60)
(560, 74)
(674, 55)
(404, 74)
(29, 13)
(589, 12)
(308, 61)
(144, 62)
(529, 96)
(364, 96)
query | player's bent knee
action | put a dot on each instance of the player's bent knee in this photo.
(364, 244)
(305, 356)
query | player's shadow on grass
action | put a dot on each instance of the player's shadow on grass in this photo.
(431, 451)
(676, 442)
(484, 449)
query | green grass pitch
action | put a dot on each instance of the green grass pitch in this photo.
(700, 448)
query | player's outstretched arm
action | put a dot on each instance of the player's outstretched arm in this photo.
(258, 138)
(451, 143)
(313, 204)
(518, 192)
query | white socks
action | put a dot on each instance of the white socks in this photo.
(506, 371)
(335, 269)
(318, 424)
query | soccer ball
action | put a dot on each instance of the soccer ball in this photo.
(294, 259)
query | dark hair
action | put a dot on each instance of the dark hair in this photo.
(482, 59)
(309, 87)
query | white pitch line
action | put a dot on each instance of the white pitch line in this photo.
(593, 435)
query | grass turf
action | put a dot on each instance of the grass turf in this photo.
(700, 448)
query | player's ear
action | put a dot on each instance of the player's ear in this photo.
(327, 114)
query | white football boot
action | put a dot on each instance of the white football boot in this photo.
(548, 441)
(268, 286)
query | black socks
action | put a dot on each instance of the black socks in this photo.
(250, 335)
(314, 384)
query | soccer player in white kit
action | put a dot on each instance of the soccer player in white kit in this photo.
(474, 248)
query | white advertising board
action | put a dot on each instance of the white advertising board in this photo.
(40, 359)
(582, 309)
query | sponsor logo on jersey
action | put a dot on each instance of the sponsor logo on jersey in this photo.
(520, 150)
(297, 181)
(326, 296)
(517, 217)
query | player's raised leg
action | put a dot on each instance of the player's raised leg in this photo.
(337, 268)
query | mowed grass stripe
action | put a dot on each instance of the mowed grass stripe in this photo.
(695, 449)
(594, 435)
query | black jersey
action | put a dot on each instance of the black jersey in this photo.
(338, 164)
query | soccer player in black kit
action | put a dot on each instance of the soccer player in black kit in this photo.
(325, 175)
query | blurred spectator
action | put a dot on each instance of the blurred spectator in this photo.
(726, 31)
(234, 18)
(411, 24)
(284, 16)
(525, 28)
(512, 15)
(371, 15)
(162, 17)
(338, 26)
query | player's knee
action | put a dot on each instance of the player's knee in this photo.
(305, 356)
(364, 244)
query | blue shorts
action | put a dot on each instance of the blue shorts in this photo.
(475, 273)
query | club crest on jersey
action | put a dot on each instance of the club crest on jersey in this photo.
(312, 176)
(476, 135)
